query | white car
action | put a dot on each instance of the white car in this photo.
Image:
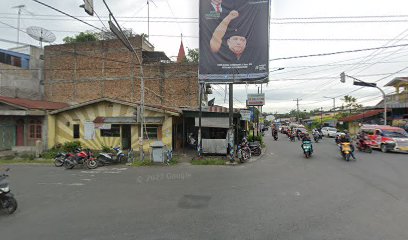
(329, 131)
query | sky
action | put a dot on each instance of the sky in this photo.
(297, 28)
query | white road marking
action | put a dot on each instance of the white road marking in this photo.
(75, 184)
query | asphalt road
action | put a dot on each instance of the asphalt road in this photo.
(281, 196)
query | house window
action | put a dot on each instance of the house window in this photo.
(113, 132)
(152, 132)
(35, 129)
(76, 130)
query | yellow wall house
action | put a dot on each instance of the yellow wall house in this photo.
(109, 122)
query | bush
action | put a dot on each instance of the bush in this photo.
(256, 138)
(71, 146)
(107, 149)
(50, 154)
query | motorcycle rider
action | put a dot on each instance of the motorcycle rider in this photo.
(306, 137)
(274, 131)
(347, 139)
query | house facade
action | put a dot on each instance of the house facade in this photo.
(23, 122)
(110, 122)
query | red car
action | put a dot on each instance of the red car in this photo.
(386, 138)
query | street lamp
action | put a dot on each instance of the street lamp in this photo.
(359, 82)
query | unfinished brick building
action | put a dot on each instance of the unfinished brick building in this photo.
(79, 72)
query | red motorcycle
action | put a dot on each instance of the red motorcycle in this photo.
(84, 157)
(363, 145)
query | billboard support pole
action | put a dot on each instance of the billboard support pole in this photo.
(231, 122)
(200, 114)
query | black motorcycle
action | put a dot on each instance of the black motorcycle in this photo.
(255, 148)
(8, 203)
(275, 134)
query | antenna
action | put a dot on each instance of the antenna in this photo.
(148, 17)
(41, 34)
(18, 21)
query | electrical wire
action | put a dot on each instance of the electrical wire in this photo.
(67, 14)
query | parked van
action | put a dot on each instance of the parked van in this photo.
(386, 138)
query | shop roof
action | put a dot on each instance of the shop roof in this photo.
(363, 115)
(32, 104)
(157, 108)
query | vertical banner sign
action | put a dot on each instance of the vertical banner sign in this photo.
(245, 115)
(234, 41)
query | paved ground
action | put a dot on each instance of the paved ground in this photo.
(281, 196)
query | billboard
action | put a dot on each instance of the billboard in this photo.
(256, 99)
(234, 41)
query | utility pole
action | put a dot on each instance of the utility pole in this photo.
(321, 116)
(297, 107)
(334, 102)
(231, 122)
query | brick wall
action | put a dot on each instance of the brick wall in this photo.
(84, 71)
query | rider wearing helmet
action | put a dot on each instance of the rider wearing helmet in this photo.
(346, 138)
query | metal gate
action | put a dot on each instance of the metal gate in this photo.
(7, 137)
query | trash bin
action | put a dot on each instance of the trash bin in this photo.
(157, 152)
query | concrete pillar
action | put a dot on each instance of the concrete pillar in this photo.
(51, 124)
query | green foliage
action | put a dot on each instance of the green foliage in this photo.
(208, 162)
(259, 138)
(50, 154)
(192, 55)
(107, 149)
(71, 146)
(82, 37)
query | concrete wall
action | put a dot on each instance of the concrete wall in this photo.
(81, 72)
(23, 83)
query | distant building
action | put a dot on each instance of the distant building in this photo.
(80, 72)
(21, 72)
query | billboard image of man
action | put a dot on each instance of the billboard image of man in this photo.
(234, 44)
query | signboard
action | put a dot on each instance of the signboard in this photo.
(103, 126)
(213, 122)
(245, 115)
(234, 41)
(256, 99)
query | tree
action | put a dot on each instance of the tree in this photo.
(351, 103)
(192, 55)
(82, 37)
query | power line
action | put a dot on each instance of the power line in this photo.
(67, 14)
(339, 52)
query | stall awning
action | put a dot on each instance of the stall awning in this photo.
(115, 120)
(214, 122)
(127, 120)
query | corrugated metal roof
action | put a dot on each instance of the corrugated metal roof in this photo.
(33, 104)
(363, 115)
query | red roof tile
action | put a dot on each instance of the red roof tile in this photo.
(363, 115)
(33, 104)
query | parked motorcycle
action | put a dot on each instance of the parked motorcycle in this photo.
(364, 146)
(255, 148)
(307, 148)
(8, 203)
(84, 157)
(112, 158)
(61, 157)
(244, 152)
(345, 150)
